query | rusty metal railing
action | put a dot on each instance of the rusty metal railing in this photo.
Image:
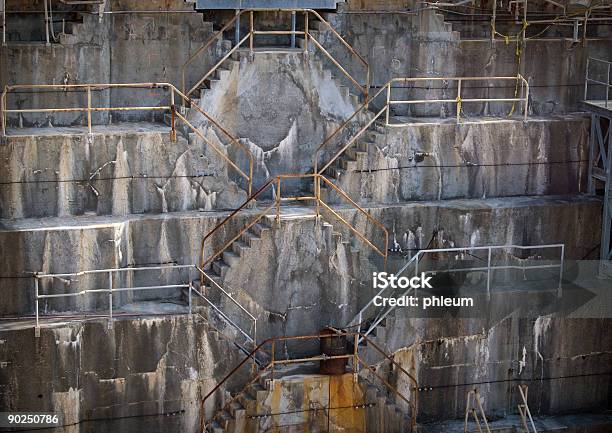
(90, 108)
(521, 95)
(268, 372)
(252, 33)
(274, 186)
(115, 285)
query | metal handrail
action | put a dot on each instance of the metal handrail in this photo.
(276, 181)
(358, 362)
(363, 88)
(173, 92)
(385, 250)
(359, 319)
(459, 100)
(251, 337)
(588, 80)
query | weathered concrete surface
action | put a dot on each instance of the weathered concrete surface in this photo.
(117, 171)
(122, 48)
(409, 45)
(564, 361)
(152, 371)
(474, 159)
(283, 105)
(69, 244)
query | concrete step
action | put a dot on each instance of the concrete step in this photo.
(259, 229)
(230, 257)
(240, 247)
(220, 268)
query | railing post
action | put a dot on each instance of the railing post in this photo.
(356, 355)
(317, 190)
(237, 29)
(36, 301)
(493, 20)
(3, 22)
(251, 35)
(110, 299)
(608, 85)
(272, 362)
(306, 30)
(561, 265)
(190, 288)
(89, 109)
(46, 22)
(526, 100)
(489, 274)
(278, 201)
(293, 27)
(3, 110)
(388, 103)
(586, 79)
(173, 111)
(458, 99)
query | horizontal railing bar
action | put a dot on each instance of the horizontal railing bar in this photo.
(278, 32)
(592, 80)
(100, 271)
(409, 79)
(66, 110)
(314, 358)
(491, 268)
(122, 289)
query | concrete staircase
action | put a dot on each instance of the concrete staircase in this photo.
(254, 408)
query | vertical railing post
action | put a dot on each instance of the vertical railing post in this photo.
(278, 201)
(110, 299)
(89, 109)
(306, 30)
(489, 274)
(388, 103)
(3, 110)
(355, 354)
(586, 79)
(458, 99)
(561, 265)
(272, 362)
(293, 27)
(46, 22)
(251, 35)
(237, 29)
(36, 301)
(190, 288)
(526, 113)
(173, 113)
(3, 22)
(493, 20)
(608, 85)
(250, 175)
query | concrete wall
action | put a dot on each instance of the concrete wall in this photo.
(472, 160)
(150, 373)
(566, 368)
(97, 243)
(116, 172)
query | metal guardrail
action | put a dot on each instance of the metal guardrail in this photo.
(381, 312)
(173, 93)
(274, 186)
(252, 33)
(357, 363)
(521, 95)
(112, 274)
(607, 84)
